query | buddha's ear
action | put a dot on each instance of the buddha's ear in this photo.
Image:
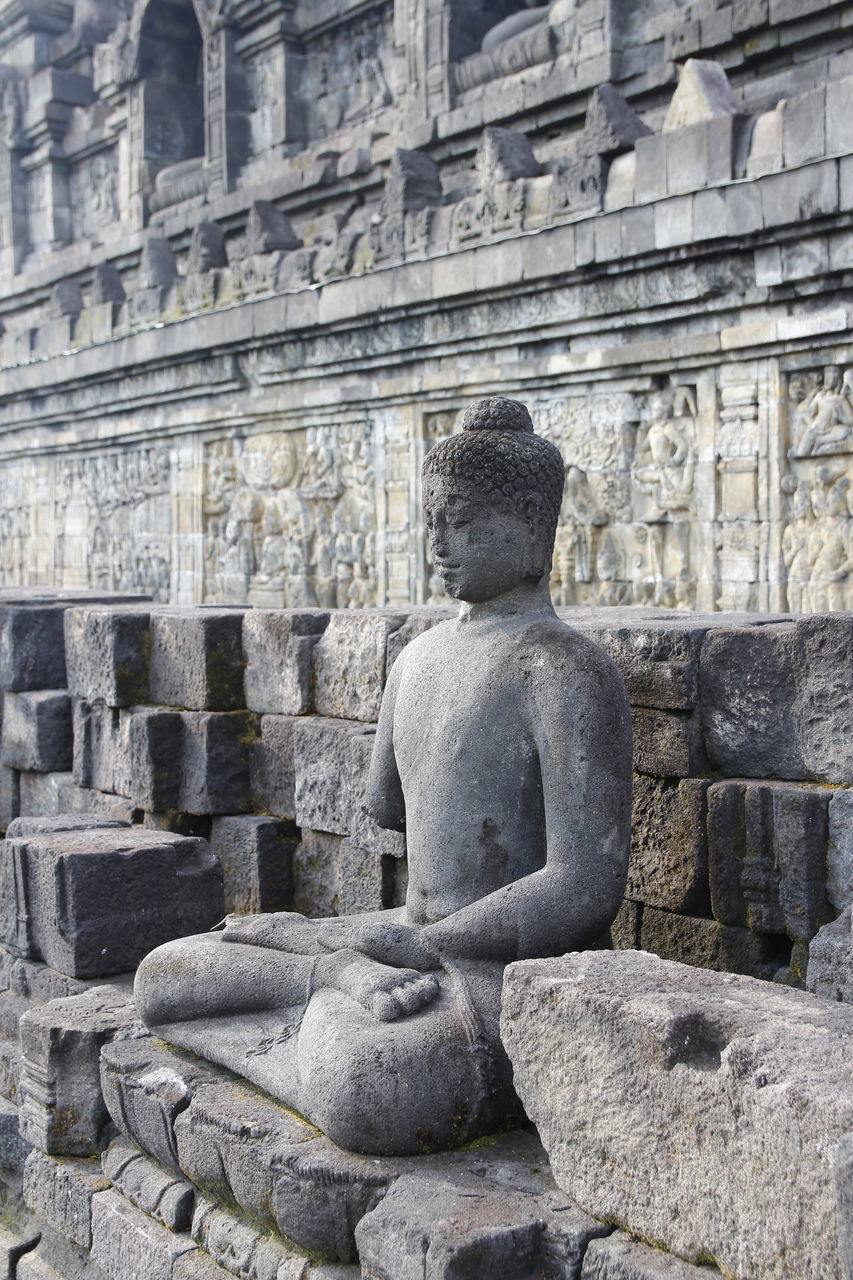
(532, 509)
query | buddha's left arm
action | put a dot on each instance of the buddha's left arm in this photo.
(384, 797)
(582, 728)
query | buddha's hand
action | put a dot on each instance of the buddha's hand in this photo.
(394, 944)
(277, 930)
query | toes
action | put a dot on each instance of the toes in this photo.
(384, 1007)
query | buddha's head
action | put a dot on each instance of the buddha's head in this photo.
(492, 498)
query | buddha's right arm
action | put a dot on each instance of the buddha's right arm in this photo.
(384, 799)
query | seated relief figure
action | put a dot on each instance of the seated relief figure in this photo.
(504, 752)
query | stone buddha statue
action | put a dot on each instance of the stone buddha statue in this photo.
(504, 751)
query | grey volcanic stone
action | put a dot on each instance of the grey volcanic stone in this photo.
(271, 767)
(147, 1185)
(350, 663)
(669, 857)
(768, 856)
(197, 659)
(830, 965)
(315, 873)
(621, 1258)
(107, 651)
(60, 1193)
(214, 770)
(843, 1169)
(62, 1110)
(32, 647)
(776, 699)
(102, 747)
(37, 731)
(683, 1084)
(25, 827)
(257, 862)
(155, 743)
(709, 945)
(611, 125)
(97, 901)
(658, 656)
(839, 854)
(668, 744)
(324, 772)
(126, 1242)
(14, 1148)
(278, 645)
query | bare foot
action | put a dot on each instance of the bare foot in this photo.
(385, 992)
(278, 930)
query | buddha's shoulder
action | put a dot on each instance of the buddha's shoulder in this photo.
(551, 646)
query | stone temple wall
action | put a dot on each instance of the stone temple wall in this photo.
(257, 255)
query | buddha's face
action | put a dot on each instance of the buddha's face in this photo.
(481, 549)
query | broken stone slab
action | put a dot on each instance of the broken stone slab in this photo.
(695, 940)
(207, 248)
(37, 732)
(214, 773)
(271, 772)
(683, 1083)
(830, 963)
(56, 1258)
(60, 1192)
(502, 156)
(668, 744)
(278, 645)
(269, 230)
(156, 1191)
(126, 1243)
(767, 845)
(611, 125)
(62, 1110)
(102, 747)
(93, 903)
(776, 699)
(618, 1257)
(412, 183)
(107, 652)
(256, 855)
(703, 93)
(668, 864)
(197, 659)
(350, 663)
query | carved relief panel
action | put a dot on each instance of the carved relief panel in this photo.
(290, 518)
(348, 72)
(817, 539)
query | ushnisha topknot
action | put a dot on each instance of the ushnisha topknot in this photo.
(498, 454)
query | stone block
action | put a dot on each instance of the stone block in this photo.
(657, 657)
(418, 621)
(49, 794)
(701, 155)
(839, 854)
(323, 762)
(197, 659)
(271, 767)
(25, 827)
(776, 699)
(256, 855)
(142, 1181)
(60, 1193)
(839, 112)
(625, 929)
(37, 732)
(315, 874)
(830, 964)
(102, 747)
(107, 652)
(10, 796)
(146, 1085)
(708, 945)
(199, 1265)
(155, 745)
(127, 1244)
(225, 1237)
(621, 1258)
(38, 983)
(32, 647)
(14, 1246)
(767, 846)
(278, 645)
(350, 663)
(93, 903)
(62, 1109)
(668, 866)
(683, 1085)
(667, 743)
(650, 176)
(703, 93)
(804, 128)
(214, 769)
(14, 1149)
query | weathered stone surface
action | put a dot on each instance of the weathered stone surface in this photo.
(62, 1109)
(128, 1245)
(49, 794)
(37, 731)
(843, 1170)
(32, 647)
(839, 853)
(621, 1258)
(625, 930)
(683, 1084)
(257, 862)
(324, 781)
(10, 795)
(668, 866)
(155, 744)
(417, 622)
(107, 652)
(60, 1192)
(776, 699)
(667, 743)
(93, 903)
(271, 767)
(830, 962)
(102, 760)
(658, 656)
(315, 873)
(214, 764)
(726, 948)
(142, 1181)
(767, 847)
(197, 659)
(703, 93)
(38, 983)
(24, 828)
(349, 663)
(14, 1148)
(611, 125)
(278, 647)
